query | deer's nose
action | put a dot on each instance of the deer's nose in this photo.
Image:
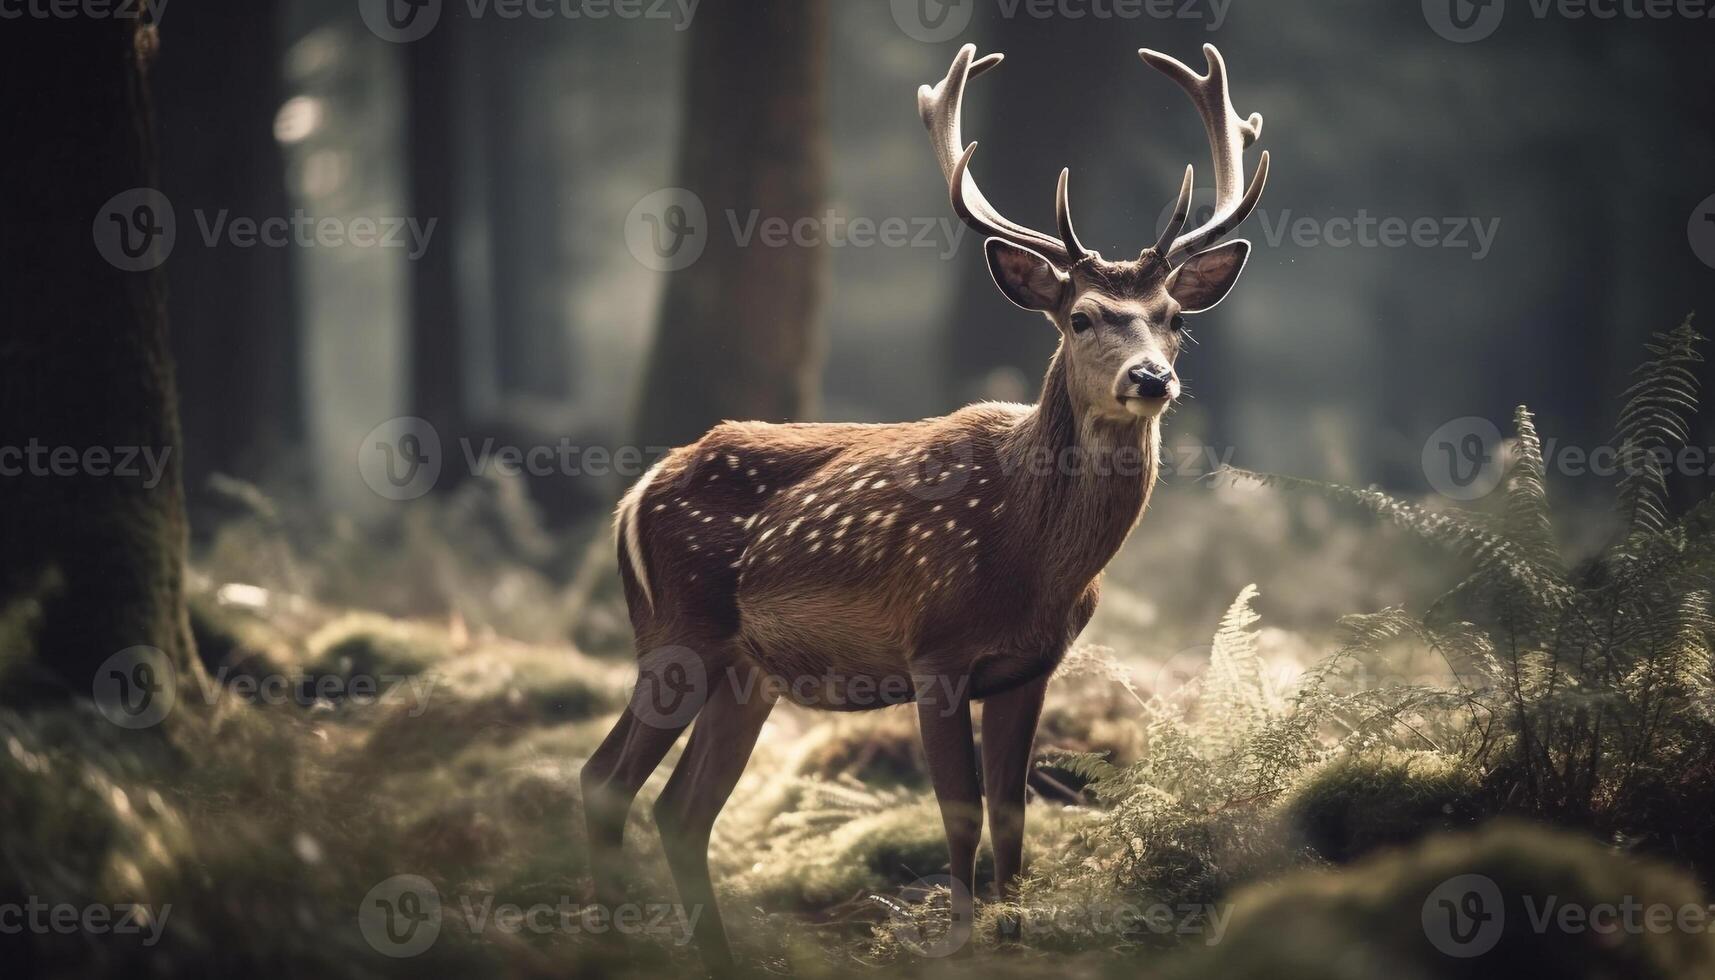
(1151, 380)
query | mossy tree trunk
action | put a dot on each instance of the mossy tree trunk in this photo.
(92, 559)
(736, 335)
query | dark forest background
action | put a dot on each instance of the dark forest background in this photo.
(531, 140)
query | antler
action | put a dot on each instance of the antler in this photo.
(941, 107)
(1229, 137)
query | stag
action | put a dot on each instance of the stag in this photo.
(942, 562)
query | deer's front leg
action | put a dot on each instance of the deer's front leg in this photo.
(1009, 728)
(944, 720)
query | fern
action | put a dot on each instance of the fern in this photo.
(1233, 700)
(1654, 418)
(1576, 688)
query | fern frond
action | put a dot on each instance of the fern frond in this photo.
(1458, 531)
(1654, 419)
(1528, 523)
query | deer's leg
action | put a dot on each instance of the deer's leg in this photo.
(1009, 728)
(721, 744)
(627, 757)
(944, 720)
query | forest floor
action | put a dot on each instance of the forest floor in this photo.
(436, 826)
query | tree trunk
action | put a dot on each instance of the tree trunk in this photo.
(736, 337)
(94, 537)
(437, 384)
(234, 327)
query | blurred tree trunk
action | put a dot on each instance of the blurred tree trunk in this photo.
(93, 560)
(437, 382)
(736, 337)
(527, 260)
(235, 335)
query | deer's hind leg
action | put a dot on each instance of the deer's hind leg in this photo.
(685, 813)
(672, 682)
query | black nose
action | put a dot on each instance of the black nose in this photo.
(1151, 380)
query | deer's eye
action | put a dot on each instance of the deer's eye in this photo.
(1081, 322)
(1178, 324)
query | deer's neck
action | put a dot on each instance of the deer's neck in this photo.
(1088, 480)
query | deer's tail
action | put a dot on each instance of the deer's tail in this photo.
(628, 539)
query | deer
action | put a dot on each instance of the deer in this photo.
(945, 562)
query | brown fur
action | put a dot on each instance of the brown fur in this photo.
(968, 545)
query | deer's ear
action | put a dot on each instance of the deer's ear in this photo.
(1206, 278)
(1026, 278)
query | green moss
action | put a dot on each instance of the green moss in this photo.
(872, 853)
(236, 639)
(367, 645)
(1380, 917)
(1360, 803)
